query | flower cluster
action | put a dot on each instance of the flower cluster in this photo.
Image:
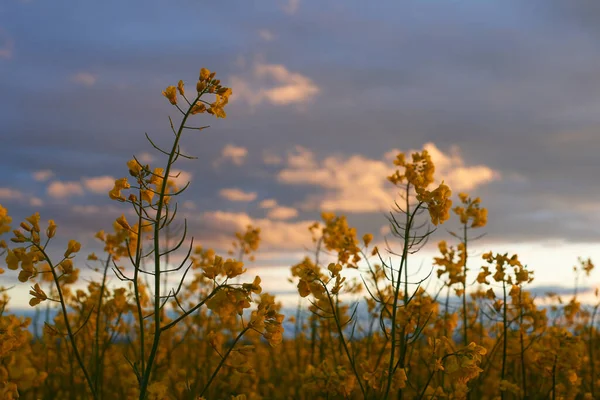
(206, 84)
(471, 210)
(419, 174)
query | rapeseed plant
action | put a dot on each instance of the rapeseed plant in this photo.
(216, 334)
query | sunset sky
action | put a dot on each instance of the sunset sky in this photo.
(504, 94)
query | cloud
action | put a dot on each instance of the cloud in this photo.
(274, 84)
(180, 177)
(358, 184)
(271, 159)
(300, 158)
(220, 227)
(61, 190)
(276, 211)
(10, 194)
(103, 184)
(84, 78)
(353, 184)
(86, 209)
(235, 194)
(234, 154)
(94, 210)
(16, 195)
(268, 203)
(451, 168)
(282, 213)
(99, 184)
(36, 202)
(189, 205)
(266, 35)
(43, 175)
(291, 7)
(145, 158)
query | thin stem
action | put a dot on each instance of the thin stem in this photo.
(523, 370)
(136, 290)
(99, 362)
(464, 294)
(505, 339)
(67, 324)
(158, 217)
(334, 309)
(214, 375)
(403, 264)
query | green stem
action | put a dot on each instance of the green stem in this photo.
(157, 221)
(343, 340)
(464, 294)
(505, 339)
(403, 264)
(214, 375)
(136, 290)
(67, 324)
(523, 370)
(97, 355)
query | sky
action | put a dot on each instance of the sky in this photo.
(503, 94)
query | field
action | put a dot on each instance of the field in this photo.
(371, 330)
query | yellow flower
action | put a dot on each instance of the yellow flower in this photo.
(5, 220)
(471, 210)
(216, 108)
(157, 177)
(171, 94)
(401, 378)
(67, 266)
(158, 391)
(12, 261)
(51, 230)
(334, 269)
(204, 74)
(100, 235)
(120, 184)
(198, 108)
(122, 221)
(34, 220)
(73, 247)
(225, 93)
(233, 268)
(253, 287)
(367, 238)
(147, 195)
(482, 277)
(38, 295)
(303, 288)
(438, 203)
(134, 167)
(180, 88)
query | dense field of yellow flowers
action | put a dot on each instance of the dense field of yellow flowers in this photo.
(213, 337)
